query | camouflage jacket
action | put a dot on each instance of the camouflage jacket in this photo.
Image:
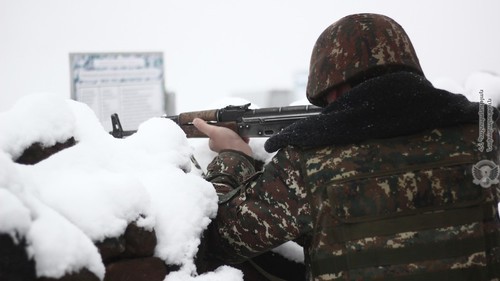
(395, 208)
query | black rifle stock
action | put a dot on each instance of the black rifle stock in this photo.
(246, 122)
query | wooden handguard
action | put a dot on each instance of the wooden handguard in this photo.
(207, 115)
(192, 132)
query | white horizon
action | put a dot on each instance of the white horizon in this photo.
(221, 48)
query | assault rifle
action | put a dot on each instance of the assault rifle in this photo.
(246, 122)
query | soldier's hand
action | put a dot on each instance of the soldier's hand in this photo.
(222, 138)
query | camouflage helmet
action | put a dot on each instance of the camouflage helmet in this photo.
(356, 48)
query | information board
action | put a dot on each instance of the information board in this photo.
(130, 84)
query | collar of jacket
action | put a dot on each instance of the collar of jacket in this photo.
(391, 105)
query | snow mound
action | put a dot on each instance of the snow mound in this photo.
(94, 189)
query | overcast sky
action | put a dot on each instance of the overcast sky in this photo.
(220, 48)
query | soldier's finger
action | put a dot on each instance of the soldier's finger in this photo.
(202, 126)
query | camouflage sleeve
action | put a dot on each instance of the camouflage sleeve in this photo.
(228, 170)
(265, 209)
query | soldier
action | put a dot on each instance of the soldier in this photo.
(379, 186)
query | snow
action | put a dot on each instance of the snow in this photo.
(92, 190)
(56, 125)
(291, 250)
(19, 216)
(448, 84)
(479, 81)
(220, 274)
(57, 245)
(487, 82)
